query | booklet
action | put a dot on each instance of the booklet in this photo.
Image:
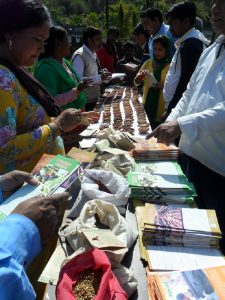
(174, 258)
(185, 220)
(52, 176)
(207, 283)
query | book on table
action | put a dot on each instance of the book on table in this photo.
(160, 181)
(172, 225)
(206, 283)
(175, 258)
(151, 150)
(54, 175)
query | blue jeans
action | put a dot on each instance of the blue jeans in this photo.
(210, 188)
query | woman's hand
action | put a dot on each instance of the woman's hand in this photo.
(67, 120)
(141, 75)
(82, 85)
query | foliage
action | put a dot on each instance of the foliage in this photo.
(122, 13)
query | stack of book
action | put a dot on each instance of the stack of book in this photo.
(172, 225)
(204, 283)
(151, 150)
(160, 182)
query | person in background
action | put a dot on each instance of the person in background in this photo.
(189, 46)
(199, 120)
(152, 20)
(141, 37)
(158, 66)
(107, 53)
(129, 64)
(198, 24)
(56, 73)
(22, 235)
(86, 64)
(26, 128)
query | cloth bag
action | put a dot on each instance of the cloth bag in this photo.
(120, 164)
(116, 139)
(109, 288)
(108, 215)
(117, 185)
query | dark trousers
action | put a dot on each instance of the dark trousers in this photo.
(210, 188)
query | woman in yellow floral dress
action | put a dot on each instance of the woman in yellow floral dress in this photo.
(26, 128)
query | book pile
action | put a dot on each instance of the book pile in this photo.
(161, 181)
(204, 283)
(172, 225)
(151, 150)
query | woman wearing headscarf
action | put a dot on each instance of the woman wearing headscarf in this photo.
(153, 85)
(26, 128)
(56, 73)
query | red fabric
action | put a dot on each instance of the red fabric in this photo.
(94, 259)
(106, 59)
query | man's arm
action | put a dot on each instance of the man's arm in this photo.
(78, 65)
(205, 123)
(19, 244)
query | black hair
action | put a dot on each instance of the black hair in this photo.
(139, 29)
(55, 33)
(113, 29)
(152, 13)
(162, 39)
(129, 45)
(16, 15)
(183, 10)
(90, 32)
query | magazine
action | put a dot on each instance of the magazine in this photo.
(53, 176)
(201, 284)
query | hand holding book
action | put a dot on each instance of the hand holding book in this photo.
(44, 212)
(11, 181)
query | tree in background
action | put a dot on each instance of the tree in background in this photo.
(122, 13)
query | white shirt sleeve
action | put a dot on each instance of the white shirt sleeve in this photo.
(97, 79)
(202, 124)
(78, 65)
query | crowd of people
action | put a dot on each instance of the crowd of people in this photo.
(181, 76)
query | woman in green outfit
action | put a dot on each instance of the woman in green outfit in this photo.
(56, 73)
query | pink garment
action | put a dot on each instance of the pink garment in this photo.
(67, 97)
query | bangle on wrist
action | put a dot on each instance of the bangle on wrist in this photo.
(52, 131)
(59, 126)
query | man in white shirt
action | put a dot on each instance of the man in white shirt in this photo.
(199, 119)
(85, 62)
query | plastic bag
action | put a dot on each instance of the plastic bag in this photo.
(109, 288)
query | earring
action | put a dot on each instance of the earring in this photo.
(10, 44)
